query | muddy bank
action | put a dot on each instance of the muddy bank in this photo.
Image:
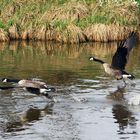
(71, 34)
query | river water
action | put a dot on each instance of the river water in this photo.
(89, 104)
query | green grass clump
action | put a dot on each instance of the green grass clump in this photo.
(92, 20)
(30, 13)
(63, 14)
(122, 12)
(60, 25)
(2, 25)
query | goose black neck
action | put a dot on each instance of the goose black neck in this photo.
(13, 80)
(99, 61)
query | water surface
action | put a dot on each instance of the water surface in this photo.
(90, 105)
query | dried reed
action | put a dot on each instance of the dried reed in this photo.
(105, 33)
(3, 35)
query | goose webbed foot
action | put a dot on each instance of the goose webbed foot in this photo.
(130, 83)
(124, 83)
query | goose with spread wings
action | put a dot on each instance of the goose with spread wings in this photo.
(120, 59)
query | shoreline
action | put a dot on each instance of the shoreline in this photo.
(70, 35)
(70, 22)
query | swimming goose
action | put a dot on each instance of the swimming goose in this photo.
(120, 58)
(33, 86)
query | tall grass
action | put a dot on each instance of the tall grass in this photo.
(58, 16)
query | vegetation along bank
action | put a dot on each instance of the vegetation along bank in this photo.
(68, 21)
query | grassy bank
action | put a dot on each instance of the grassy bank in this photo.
(68, 21)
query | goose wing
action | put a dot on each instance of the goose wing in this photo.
(40, 83)
(121, 55)
(33, 84)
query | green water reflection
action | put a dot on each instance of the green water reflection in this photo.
(62, 66)
(58, 63)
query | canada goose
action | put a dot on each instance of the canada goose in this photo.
(120, 58)
(33, 86)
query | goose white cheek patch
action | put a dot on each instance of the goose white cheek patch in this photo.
(42, 90)
(5, 80)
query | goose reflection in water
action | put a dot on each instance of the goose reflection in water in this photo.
(124, 118)
(121, 113)
(34, 113)
(129, 99)
(31, 115)
(118, 94)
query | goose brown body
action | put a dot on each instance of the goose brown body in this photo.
(113, 72)
(32, 83)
